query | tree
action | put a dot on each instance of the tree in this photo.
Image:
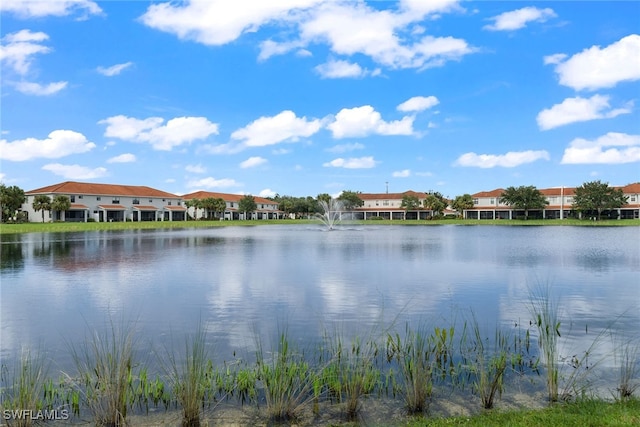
(61, 204)
(219, 205)
(524, 198)
(598, 196)
(350, 200)
(324, 197)
(208, 204)
(410, 202)
(11, 200)
(435, 202)
(460, 203)
(247, 205)
(41, 202)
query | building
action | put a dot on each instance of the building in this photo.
(107, 202)
(266, 209)
(488, 205)
(389, 206)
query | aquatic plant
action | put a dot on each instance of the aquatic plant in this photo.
(286, 380)
(415, 354)
(23, 392)
(487, 366)
(351, 371)
(546, 318)
(626, 356)
(104, 364)
(190, 376)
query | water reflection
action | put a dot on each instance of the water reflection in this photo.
(242, 281)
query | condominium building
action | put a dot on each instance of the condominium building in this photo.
(107, 203)
(266, 209)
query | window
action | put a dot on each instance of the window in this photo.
(163, 200)
(136, 201)
(632, 199)
(80, 197)
(115, 200)
(475, 201)
(493, 201)
(569, 199)
(150, 200)
(72, 199)
(385, 203)
(98, 198)
(231, 204)
(169, 203)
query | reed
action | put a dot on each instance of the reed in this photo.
(415, 354)
(545, 312)
(23, 391)
(190, 376)
(286, 380)
(486, 365)
(626, 357)
(351, 372)
(105, 373)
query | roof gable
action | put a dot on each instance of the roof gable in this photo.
(72, 187)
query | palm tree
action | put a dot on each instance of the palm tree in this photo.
(195, 204)
(219, 205)
(42, 203)
(61, 204)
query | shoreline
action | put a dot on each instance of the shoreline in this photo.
(66, 227)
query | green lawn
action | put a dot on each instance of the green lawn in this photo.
(59, 227)
(578, 414)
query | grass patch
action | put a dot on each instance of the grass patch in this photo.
(576, 414)
(63, 227)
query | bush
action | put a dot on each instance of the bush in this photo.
(375, 218)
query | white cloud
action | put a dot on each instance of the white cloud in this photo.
(418, 103)
(597, 68)
(282, 127)
(352, 163)
(338, 69)
(508, 160)
(612, 148)
(75, 171)
(114, 70)
(424, 174)
(253, 162)
(176, 132)
(39, 9)
(18, 49)
(401, 174)
(349, 28)
(123, 158)
(343, 148)
(554, 59)
(195, 169)
(220, 22)
(579, 109)
(30, 88)
(59, 143)
(517, 19)
(267, 192)
(362, 121)
(211, 182)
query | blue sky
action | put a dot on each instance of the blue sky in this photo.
(301, 97)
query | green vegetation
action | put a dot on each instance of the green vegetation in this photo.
(11, 200)
(61, 227)
(23, 390)
(596, 196)
(105, 374)
(247, 205)
(525, 198)
(581, 413)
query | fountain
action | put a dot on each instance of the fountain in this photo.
(330, 212)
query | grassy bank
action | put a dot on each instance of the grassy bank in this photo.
(61, 227)
(576, 414)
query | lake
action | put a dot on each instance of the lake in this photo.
(248, 282)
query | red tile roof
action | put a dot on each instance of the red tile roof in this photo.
(71, 187)
(76, 206)
(112, 207)
(227, 197)
(391, 196)
(493, 193)
(175, 208)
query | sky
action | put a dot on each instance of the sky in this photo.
(303, 97)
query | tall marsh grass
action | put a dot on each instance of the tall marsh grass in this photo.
(23, 389)
(191, 376)
(105, 373)
(626, 357)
